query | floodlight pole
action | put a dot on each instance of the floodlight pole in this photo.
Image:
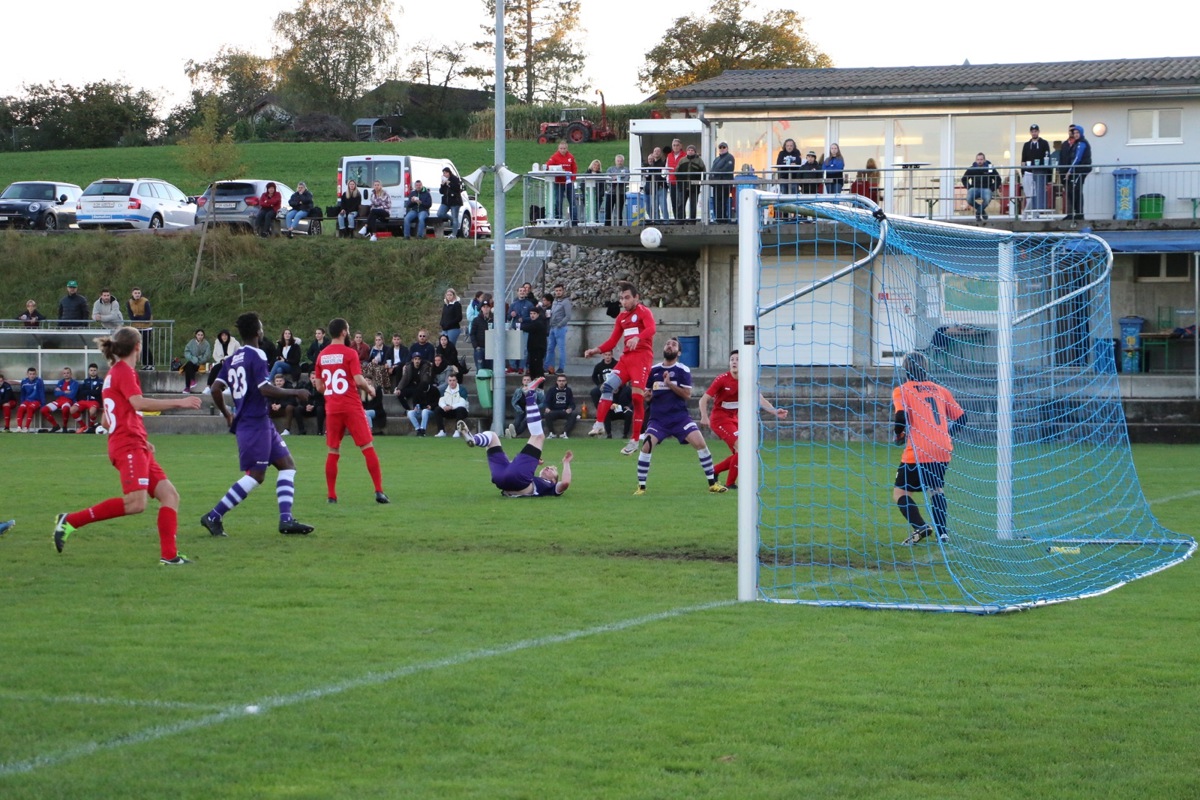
(499, 242)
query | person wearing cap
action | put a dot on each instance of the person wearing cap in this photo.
(1075, 163)
(299, 206)
(414, 377)
(268, 207)
(73, 309)
(812, 174)
(1035, 158)
(721, 174)
(689, 173)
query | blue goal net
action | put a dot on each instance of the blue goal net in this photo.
(1039, 501)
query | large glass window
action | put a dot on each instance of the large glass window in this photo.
(747, 142)
(861, 140)
(808, 133)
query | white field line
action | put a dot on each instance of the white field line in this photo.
(239, 711)
(84, 700)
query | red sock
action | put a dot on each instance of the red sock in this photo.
(373, 467)
(639, 413)
(48, 415)
(602, 409)
(7, 414)
(724, 465)
(109, 509)
(733, 471)
(168, 524)
(331, 465)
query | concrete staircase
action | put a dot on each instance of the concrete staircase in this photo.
(482, 281)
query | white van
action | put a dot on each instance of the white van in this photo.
(398, 174)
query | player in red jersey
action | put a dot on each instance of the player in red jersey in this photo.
(338, 376)
(719, 411)
(635, 326)
(129, 450)
(927, 417)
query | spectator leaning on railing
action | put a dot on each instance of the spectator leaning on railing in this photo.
(107, 310)
(31, 316)
(722, 176)
(614, 192)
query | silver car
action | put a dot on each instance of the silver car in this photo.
(134, 203)
(236, 203)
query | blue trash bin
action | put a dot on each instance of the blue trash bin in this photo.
(689, 351)
(1124, 193)
(1131, 344)
(635, 208)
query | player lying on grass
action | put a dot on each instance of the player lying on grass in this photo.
(519, 477)
(927, 417)
(247, 375)
(130, 451)
(669, 388)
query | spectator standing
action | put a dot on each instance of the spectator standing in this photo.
(452, 200)
(564, 186)
(560, 405)
(196, 354)
(539, 334)
(349, 206)
(31, 316)
(980, 180)
(268, 206)
(472, 309)
(614, 192)
(518, 313)
(453, 404)
(689, 174)
(655, 180)
(560, 317)
(417, 207)
(811, 174)
(107, 310)
(722, 176)
(787, 165)
(452, 316)
(1078, 162)
(380, 213)
(142, 319)
(673, 158)
(834, 168)
(478, 336)
(73, 309)
(1035, 169)
(300, 204)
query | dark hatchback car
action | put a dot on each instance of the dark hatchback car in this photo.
(40, 205)
(236, 203)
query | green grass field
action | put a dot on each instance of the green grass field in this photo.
(458, 645)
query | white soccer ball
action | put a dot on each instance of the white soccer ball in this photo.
(101, 430)
(651, 237)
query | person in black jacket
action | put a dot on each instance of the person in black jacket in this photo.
(539, 337)
(1035, 172)
(416, 209)
(299, 206)
(722, 176)
(452, 316)
(452, 200)
(980, 180)
(478, 335)
(349, 206)
(73, 308)
(1076, 163)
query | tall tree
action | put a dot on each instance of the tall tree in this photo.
(235, 79)
(696, 48)
(543, 60)
(436, 65)
(331, 50)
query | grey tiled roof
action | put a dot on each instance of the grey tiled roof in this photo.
(1136, 73)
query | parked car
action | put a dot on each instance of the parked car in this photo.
(134, 203)
(236, 203)
(398, 174)
(44, 205)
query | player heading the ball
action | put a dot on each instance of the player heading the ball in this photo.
(635, 328)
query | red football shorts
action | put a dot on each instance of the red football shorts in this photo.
(338, 425)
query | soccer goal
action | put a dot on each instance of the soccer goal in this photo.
(1042, 502)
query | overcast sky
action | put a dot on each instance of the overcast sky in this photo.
(84, 40)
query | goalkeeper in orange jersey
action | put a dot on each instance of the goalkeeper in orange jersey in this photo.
(927, 417)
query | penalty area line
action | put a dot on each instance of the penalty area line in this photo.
(239, 711)
(84, 700)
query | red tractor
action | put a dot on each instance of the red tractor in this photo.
(576, 128)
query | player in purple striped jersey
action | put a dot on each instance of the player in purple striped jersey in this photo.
(668, 389)
(247, 375)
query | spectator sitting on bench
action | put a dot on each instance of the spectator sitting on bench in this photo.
(196, 355)
(287, 356)
(453, 404)
(417, 208)
(33, 394)
(560, 404)
(268, 207)
(282, 409)
(299, 205)
(349, 205)
(414, 375)
(65, 392)
(8, 401)
(518, 426)
(381, 211)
